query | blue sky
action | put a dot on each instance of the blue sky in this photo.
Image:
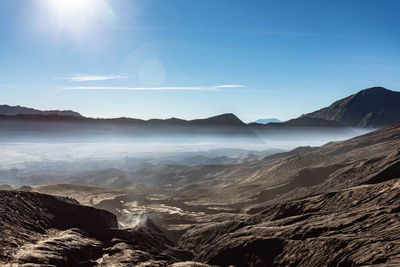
(197, 58)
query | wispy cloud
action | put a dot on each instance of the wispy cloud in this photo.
(90, 78)
(166, 88)
(229, 86)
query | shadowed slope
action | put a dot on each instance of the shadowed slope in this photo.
(373, 107)
(355, 226)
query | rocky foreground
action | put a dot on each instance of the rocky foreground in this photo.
(45, 230)
(351, 227)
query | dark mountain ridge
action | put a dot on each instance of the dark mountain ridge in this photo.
(18, 110)
(301, 122)
(373, 107)
(227, 119)
(170, 130)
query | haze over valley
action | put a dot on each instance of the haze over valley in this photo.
(49, 146)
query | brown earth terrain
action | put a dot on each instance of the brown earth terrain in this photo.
(334, 205)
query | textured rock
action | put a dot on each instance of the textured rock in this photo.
(355, 226)
(24, 216)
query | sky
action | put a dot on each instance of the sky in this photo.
(195, 59)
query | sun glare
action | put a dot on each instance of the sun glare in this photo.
(72, 7)
(77, 16)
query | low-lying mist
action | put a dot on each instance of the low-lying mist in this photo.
(31, 163)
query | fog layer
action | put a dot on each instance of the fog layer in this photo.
(30, 163)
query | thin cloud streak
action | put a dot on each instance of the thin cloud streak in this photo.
(166, 88)
(118, 88)
(91, 78)
(230, 86)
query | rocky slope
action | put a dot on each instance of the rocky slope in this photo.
(44, 230)
(179, 198)
(302, 172)
(357, 226)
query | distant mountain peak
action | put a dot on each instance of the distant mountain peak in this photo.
(371, 107)
(375, 89)
(223, 119)
(226, 116)
(265, 121)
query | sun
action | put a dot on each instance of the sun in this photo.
(72, 6)
(77, 17)
(73, 9)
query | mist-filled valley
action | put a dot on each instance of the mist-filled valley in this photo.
(170, 183)
(32, 163)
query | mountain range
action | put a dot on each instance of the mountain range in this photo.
(370, 108)
(225, 127)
